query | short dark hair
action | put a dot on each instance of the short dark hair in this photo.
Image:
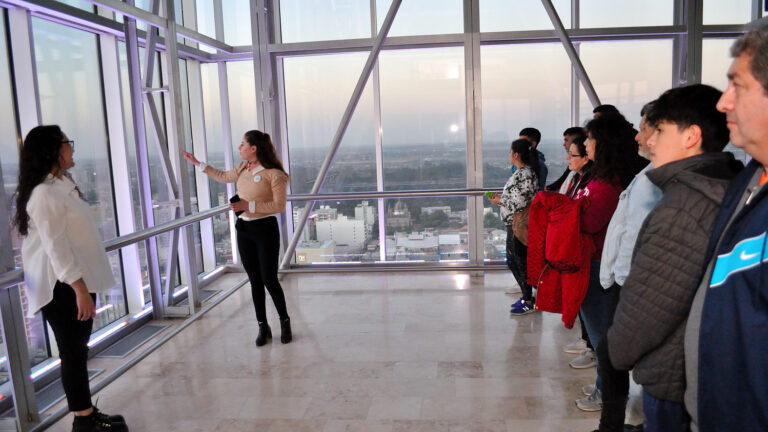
(605, 108)
(531, 133)
(693, 105)
(575, 132)
(646, 108)
(754, 43)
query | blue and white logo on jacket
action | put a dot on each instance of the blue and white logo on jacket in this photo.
(746, 254)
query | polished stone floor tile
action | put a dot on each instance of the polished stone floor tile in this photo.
(409, 352)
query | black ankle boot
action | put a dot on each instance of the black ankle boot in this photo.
(265, 333)
(285, 331)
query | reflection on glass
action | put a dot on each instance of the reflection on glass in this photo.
(80, 4)
(316, 20)
(612, 13)
(627, 74)
(423, 17)
(504, 15)
(317, 91)
(237, 16)
(243, 117)
(534, 93)
(427, 230)
(727, 11)
(339, 232)
(423, 116)
(209, 75)
(715, 61)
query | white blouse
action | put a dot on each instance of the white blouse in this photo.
(63, 243)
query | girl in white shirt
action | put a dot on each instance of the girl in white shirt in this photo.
(64, 262)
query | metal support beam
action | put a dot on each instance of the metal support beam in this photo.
(571, 51)
(345, 119)
(15, 338)
(379, 145)
(24, 69)
(142, 162)
(474, 130)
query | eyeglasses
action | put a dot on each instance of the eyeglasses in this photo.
(575, 155)
(70, 142)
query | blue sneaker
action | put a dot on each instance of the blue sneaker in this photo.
(522, 309)
(518, 303)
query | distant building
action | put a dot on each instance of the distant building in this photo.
(367, 214)
(315, 251)
(343, 232)
(432, 210)
(398, 216)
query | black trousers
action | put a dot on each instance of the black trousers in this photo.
(72, 339)
(517, 261)
(259, 244)
(615, 383)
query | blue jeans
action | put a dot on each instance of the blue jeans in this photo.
(597, 311)
(664, 416)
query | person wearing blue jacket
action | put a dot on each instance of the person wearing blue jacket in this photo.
(726, 337)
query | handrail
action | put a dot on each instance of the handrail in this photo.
(16, 276)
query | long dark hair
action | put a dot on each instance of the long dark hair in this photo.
(39, 156)
(265, 150)
(616, 157)
(527, 153)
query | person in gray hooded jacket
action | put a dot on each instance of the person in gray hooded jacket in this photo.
(692, 172)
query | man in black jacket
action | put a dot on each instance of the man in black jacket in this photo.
(647, 331)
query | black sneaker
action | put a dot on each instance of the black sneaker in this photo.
(117, 418)
(98, 422)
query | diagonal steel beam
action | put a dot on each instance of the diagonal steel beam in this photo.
(153, 33)
(571, 51)
(345, 119)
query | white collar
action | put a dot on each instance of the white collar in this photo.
(258, 168)
(64, 183)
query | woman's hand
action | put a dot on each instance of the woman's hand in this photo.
(239, 206)
(85, 307)
(495, 199)
(191, 158)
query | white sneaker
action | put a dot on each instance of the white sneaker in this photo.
(584, 361)
(588, 389)
(575, 347)
(593, 402)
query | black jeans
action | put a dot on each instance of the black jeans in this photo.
(615, 383)
(259, 244)
(517, 261)
(72, 339)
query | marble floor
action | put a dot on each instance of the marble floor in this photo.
(379, 352)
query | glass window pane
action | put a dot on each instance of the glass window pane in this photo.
(519, 97)
(317, 20)
(242, 102)
(339, 231)
(237, 16)
(80, 4)
(427, 229)
(67, 67)
(504, 15)
(423, 115)
(715, 61)
(727, 11)
(626, 13)
(206, 23)
(627, 74)
(317, 91)
(423, 17)
(209, 76)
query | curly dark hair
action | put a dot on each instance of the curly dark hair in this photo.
(39, 156)
(616, 157)
(265, 150)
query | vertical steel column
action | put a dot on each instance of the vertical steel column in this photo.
(757, 9)
(142, 159)
(379, 144)
(575, 94)
(474, 117)
(694, 17)
(175, 130)
(342, 127)
(24, 69)
(571, 51)
(226, 123)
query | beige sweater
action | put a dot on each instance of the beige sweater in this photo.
(264, 189)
